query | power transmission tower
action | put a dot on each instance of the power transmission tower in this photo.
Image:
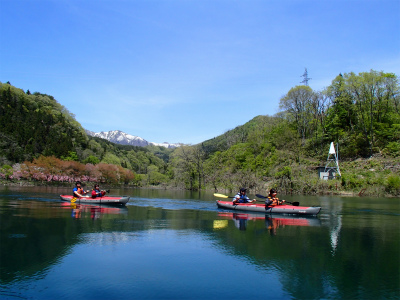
(306, 78)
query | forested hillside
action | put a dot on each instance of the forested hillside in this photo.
(360, 113)
(33, 124)
(35, 128)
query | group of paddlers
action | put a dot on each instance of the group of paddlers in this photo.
(241, 197)
(79, 192)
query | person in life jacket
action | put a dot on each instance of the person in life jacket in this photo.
(78, 191)
(272, 199)
(96, 192)
(241, 197)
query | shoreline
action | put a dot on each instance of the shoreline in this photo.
(328, 192)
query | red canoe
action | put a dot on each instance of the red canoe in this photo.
(98, 200)
(274, 209)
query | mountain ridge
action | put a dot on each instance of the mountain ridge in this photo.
(123, 138)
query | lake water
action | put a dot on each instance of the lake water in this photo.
(179, 245)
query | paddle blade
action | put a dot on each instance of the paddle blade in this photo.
(293, 203)
(221, 196)
(73, 200)
(261, 196)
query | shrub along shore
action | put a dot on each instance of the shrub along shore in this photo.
(375, 176)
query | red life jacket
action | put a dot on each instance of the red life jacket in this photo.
(95, 194)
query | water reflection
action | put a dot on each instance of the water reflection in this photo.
(93, 211)
(175, 247)
(272, 222)
(333, 219)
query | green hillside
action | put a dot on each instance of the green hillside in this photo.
(33, 126)
(360, 113)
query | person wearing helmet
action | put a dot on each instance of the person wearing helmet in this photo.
(241, 197)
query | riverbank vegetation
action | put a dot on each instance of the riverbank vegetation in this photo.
(360, 113)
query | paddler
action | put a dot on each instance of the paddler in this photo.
(272, 199)
(97, 192)
(241, 197)
(78, 191)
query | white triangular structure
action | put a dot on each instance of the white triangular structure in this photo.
(333, 159)
(332, 149)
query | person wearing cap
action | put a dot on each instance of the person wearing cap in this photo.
(272, 199)
(241, 197)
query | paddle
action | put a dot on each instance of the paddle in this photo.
(222, 196)
(225, 196)
(293, 203)
(102, 195)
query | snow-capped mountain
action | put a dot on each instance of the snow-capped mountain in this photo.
(119, 137)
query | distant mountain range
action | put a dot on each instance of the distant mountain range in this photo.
(119, 137)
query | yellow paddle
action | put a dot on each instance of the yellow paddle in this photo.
(222, 196)
(73, 200)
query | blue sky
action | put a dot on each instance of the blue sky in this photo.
(187, 71)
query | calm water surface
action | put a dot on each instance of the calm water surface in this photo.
(179, 245)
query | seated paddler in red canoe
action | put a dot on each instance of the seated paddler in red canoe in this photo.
(241, 197)
(96, 192)
(272, 199)
(78, 191)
